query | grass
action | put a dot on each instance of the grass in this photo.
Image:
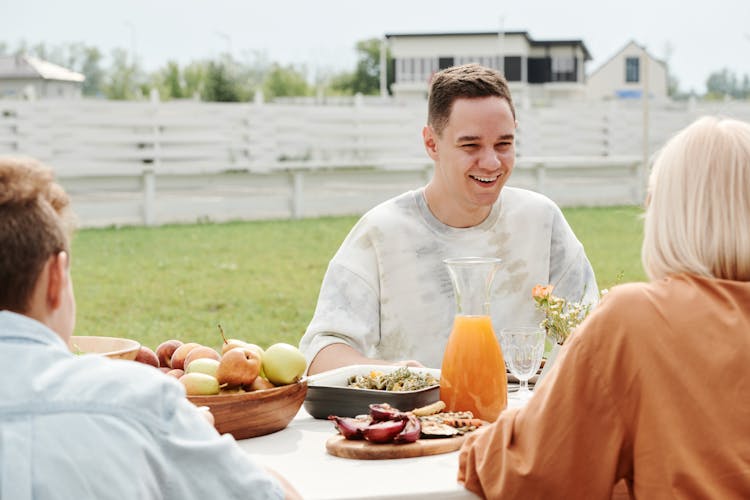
(612, 238)
(259, 280)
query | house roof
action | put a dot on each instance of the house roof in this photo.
(525, 34)
(24, 67)
(624, 47)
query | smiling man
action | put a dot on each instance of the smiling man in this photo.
(387, 297)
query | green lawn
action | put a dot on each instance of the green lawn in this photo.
(259, 280)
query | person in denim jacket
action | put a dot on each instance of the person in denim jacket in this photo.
(88, 426)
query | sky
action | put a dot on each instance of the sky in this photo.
(695, 38)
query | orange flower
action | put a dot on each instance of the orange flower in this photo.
(542, 292)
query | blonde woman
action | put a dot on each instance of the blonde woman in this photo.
(653, 387)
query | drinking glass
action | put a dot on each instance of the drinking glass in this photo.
(523, 347)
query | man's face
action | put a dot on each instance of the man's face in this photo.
(475, 153)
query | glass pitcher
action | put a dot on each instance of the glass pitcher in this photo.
(472, 376)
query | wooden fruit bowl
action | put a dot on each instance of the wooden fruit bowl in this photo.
(255, 413)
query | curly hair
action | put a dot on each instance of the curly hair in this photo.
(35, 223)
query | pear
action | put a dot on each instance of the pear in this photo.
(200, 384)
(283, 364)
(203, 365)
(238, 366)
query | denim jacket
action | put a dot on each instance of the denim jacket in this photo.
(96, 428)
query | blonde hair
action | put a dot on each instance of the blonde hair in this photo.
(35, 223)
(698, 213)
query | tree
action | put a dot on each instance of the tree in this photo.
(724, 83)
(366, 76)
(75, 56)
(124, 79)
(673, 84)
(220, 86)
(194, 76)
(170, 82)
(87, 60)
(285, 81)
(252, 70)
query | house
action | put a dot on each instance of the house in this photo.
(535, 69)
(623, 75)
(27, 77)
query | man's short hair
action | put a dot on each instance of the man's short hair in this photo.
(467, 81)
(35, 223)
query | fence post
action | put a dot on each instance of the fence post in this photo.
(638, 195)
(540, 177)
(149, 196)
(297, 193)
(359, 152)
(149, 172)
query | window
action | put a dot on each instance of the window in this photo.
(632, 70)
(513, 68)
(539, 69)
(445, 62)
(564, 69)
(415, 69)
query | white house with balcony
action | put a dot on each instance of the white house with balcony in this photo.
(535, 69)
(27, 77)
(627, 73)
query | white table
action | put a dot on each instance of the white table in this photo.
(299, 454)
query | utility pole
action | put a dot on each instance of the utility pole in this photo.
(645, 102)
(501, 44)
(227, 39)
(133, 56)
(384, 68)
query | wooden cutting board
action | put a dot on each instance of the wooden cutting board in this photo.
(364, 450)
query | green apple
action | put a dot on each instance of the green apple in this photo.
(199, 384)
(283, 364)
(203, 365)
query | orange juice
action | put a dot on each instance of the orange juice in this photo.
(473, 373)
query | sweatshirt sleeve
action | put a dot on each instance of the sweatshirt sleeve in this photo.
(566, 442)
(570, 270)
(348, 311)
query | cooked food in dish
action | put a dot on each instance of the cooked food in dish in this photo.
(398, 381)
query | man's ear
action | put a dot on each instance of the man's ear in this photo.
(430, 142)
(58, 277)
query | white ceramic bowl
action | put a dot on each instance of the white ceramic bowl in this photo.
(112, 347)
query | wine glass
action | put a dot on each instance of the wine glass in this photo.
(523, 347)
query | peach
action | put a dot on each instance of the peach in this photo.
(165, 350)
(179, 355)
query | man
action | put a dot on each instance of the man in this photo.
(88, 426)
(387, 297)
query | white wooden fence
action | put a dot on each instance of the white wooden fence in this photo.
(160, 162)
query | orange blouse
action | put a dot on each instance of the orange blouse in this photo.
(653, 388)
